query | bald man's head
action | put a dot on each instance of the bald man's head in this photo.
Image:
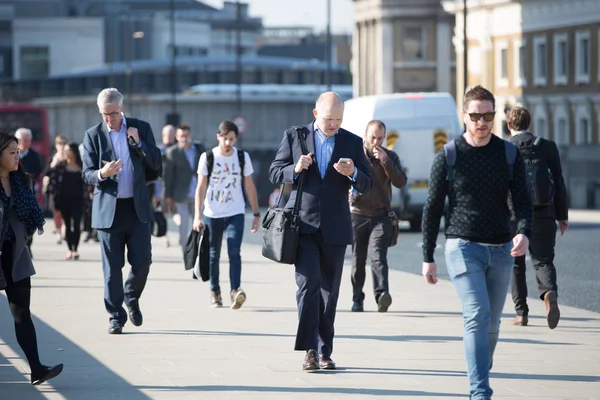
(168, 134)
(329, 112)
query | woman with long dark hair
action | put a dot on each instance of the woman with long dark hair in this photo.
(68, 191)
(20, 218)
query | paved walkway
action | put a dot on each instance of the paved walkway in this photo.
(187, 350)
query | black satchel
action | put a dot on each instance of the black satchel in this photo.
(150, 174)
(282, 226)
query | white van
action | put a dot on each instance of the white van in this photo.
(418, 125)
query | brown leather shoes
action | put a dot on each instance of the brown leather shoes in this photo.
(520, 320)
(310, 361)
(326, 363)
(552, 311)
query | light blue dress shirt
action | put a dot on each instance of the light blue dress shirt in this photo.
(324, 149)
(121, 146)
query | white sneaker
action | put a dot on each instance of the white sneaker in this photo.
(238, 297)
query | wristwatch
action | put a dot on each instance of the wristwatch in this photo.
(257, 214)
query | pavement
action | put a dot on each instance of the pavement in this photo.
(188, 350)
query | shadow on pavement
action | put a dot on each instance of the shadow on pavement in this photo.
(83, 374)
(316, 390)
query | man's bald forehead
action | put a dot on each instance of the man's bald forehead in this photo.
(329, 100)
(169, 129)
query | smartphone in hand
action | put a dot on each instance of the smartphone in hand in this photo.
(344, 161)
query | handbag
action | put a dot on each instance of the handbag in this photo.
(282, 226)
(391, 215)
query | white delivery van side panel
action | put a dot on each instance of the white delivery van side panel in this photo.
(414, 118)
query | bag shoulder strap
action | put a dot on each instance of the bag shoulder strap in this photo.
(210, 160)
(300, 131)
(537, 141)
(450, 151)
(511, 156)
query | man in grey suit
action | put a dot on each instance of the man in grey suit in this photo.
(121, 209)
(181, 163)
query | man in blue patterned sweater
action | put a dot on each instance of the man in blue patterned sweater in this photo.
(478, 172)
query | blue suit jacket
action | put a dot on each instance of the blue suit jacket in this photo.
(98, 147)
(324, 200)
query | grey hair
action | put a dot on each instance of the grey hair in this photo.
(23, 131)
(110, 96)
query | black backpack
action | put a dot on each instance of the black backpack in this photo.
(537, 171)
(210, 161)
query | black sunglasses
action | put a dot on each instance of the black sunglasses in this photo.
(487, 117)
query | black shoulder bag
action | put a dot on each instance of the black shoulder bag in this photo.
(282, 227)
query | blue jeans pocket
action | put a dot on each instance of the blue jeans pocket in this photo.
(455, 250)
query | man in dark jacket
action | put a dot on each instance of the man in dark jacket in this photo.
(555, 208)
(370, 221)
(31, 160)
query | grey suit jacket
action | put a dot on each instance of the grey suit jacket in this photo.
(179, 173)
(98, 147)
(22, 266)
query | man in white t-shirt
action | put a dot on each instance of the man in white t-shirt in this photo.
(221, 185)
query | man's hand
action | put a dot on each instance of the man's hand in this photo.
(255, 224)
(133, 132)
(380, 154)
(520, 245)
(351, 196)
(303, 163)
(429, 272)
(198, 225)
(563, 225)
(111, 168)
(170, 204)
(346, 169)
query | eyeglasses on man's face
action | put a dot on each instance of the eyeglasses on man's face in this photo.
(111, 114)
(487, 117)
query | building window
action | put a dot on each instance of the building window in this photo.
(520, 62)
(561, 59)
(584, 133)
(561, 131)
(502, 64)
(35, 62)
(414, 45)
(541, 127)
(540, 61)
(582, 57)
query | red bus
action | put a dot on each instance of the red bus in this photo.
(15, 116)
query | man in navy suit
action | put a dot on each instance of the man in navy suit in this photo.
(335, 163)
(121, 210)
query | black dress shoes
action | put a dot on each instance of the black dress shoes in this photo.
(311, 362)
(326, 363)
(46, 374)
(135, 314)
(358, 306)
(115, 327)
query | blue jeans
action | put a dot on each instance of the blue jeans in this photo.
(481, 276)
(234, 228)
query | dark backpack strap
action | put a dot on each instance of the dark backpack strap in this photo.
(450, 150)
(242, 163)
(511, 155)
(210, 160)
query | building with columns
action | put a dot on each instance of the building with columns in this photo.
(402, 46)
(543, 54)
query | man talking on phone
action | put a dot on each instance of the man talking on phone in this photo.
(335, 163)
(370, 219)
(121, 209)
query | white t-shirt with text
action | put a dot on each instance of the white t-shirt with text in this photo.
(224, 195)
